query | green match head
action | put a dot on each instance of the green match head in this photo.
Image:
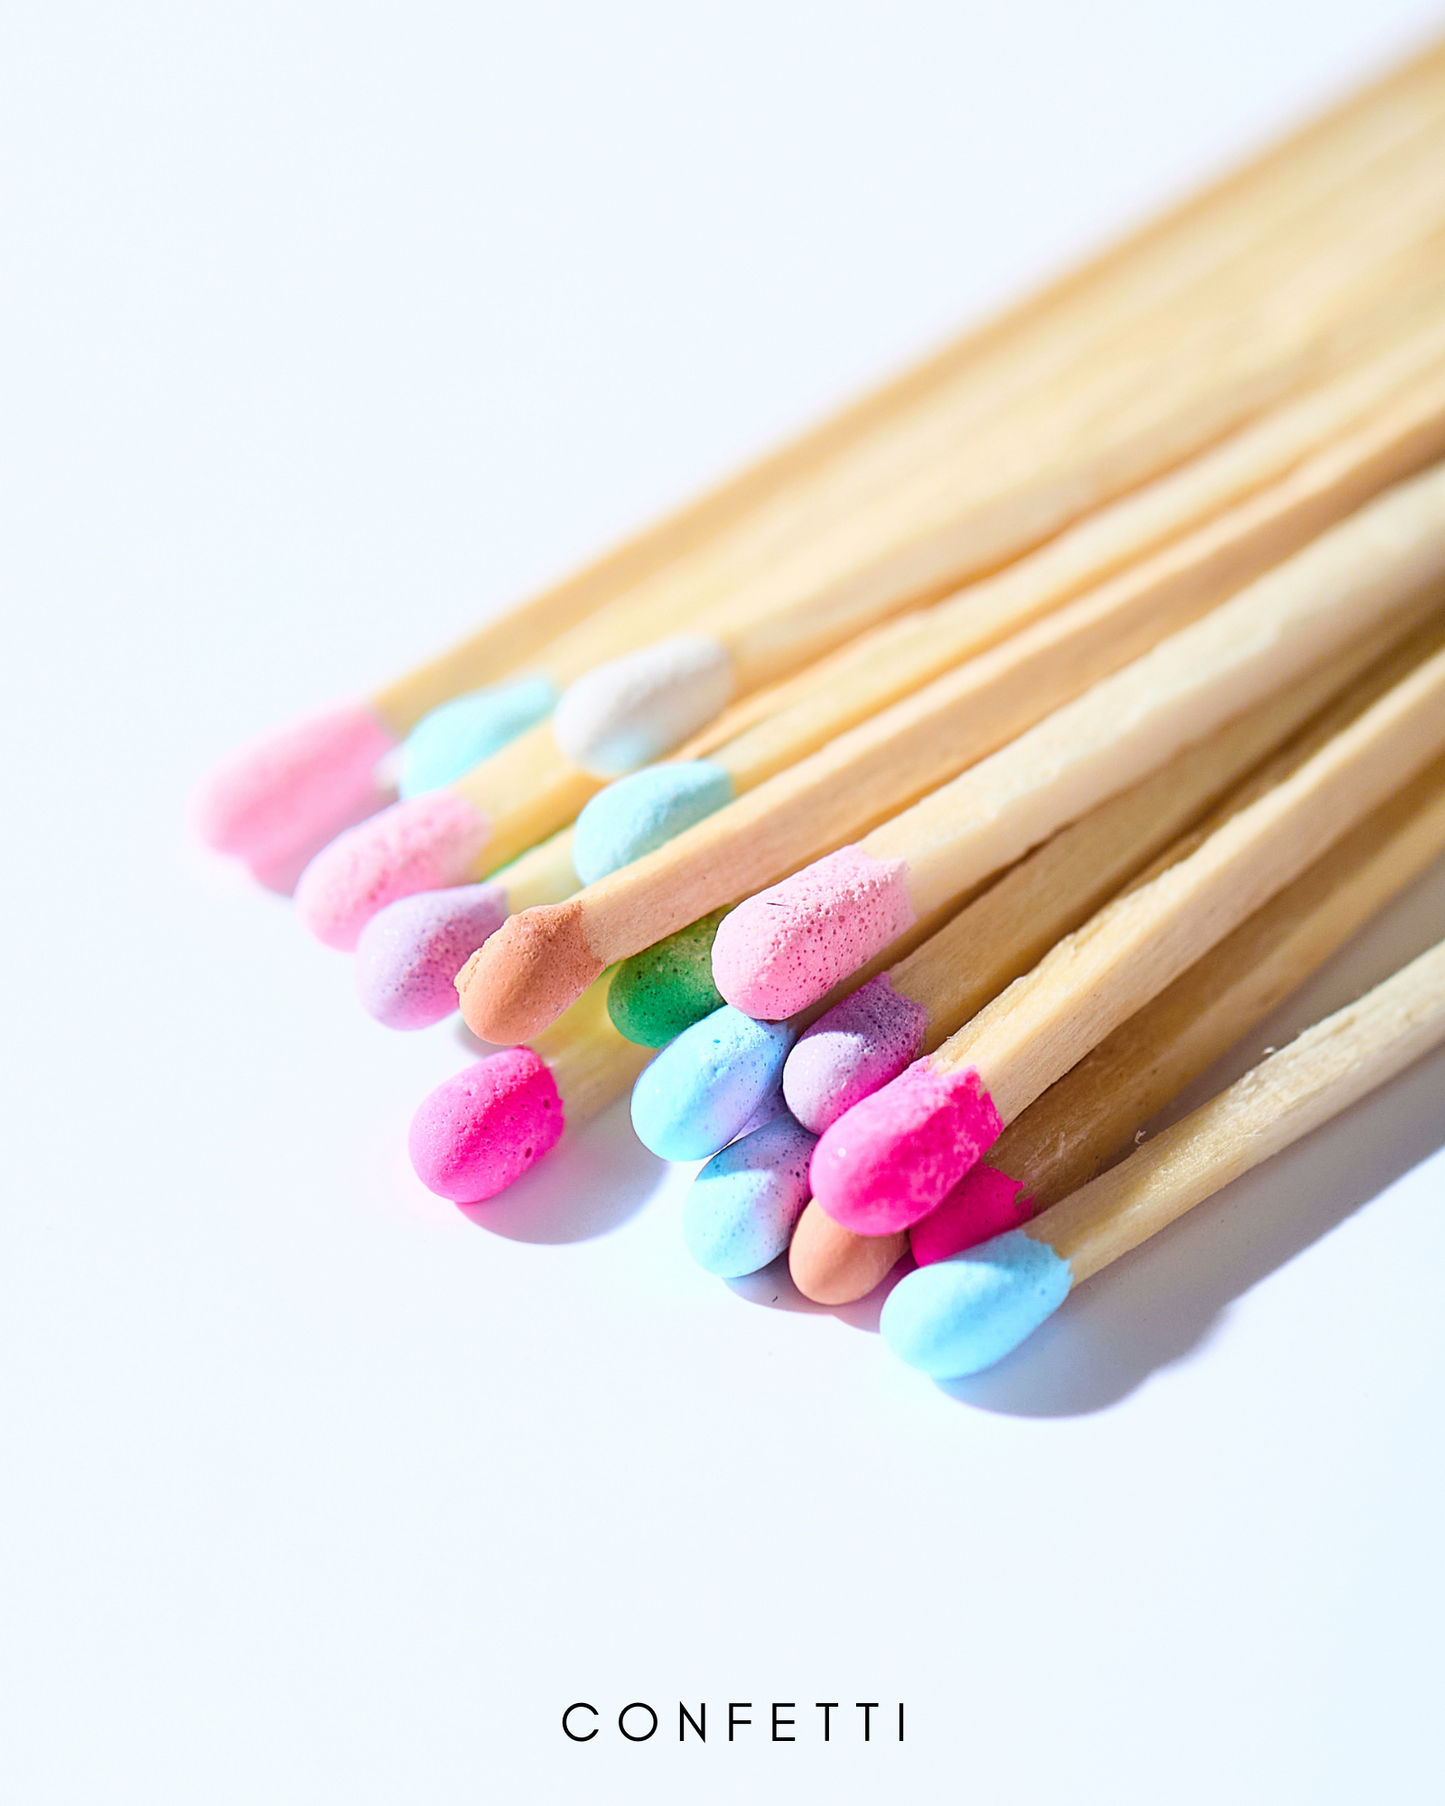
(667, 987)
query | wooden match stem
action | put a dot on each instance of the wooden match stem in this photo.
(1097, 977)
(1016, 921)
(1010, 802)
(1348, 158)
(1323, 1072)
(1084, 1121)
(1345, 582)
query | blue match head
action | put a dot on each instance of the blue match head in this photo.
(708, 1084)
(461, 733)
(961, 1315)
(742, 1206)
(640, 813)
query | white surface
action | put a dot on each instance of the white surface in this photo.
(322, 323)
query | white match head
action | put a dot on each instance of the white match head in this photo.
(634, 709)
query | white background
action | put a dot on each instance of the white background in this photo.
(326, 327)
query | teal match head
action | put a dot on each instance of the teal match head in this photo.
(461, 733)
(640, 813)
(961, 1315)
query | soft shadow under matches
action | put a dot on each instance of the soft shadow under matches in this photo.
(773, 1288)
(1162, 1301)
(591, 1182)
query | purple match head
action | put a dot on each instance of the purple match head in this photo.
(484, 1128)
(896, 1155)
(860, 1045)
(425, 843)
(790, 944)
(408, 955)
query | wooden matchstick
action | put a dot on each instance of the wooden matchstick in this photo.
(960, 1315)
(1354, 577)
(1091, 1116)
(894, 1157)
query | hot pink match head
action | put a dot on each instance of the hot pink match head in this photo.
(790, 944)
(984, 1203)
(895, 1156)
(483, 1129)
(425, 843)
(859, 1045)
(293, 789)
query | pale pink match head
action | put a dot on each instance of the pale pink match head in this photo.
(425, 843)
(895, 1156)
(790, 944)
(859, 1045)
(408, 955)
(293, 789)
(983, 1204)
(483, 1129)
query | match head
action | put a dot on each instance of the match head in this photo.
(459, 734)
(704, 1087)
(895, 1156)
(636, 708)
(832, 1265)
(983, 1204)
(408, 955)
(860, 1045)
(640, 813)
(482, 1129)
(535, 966)
(427, 843)
(741, 1208)
(961, 1315)
(295, 788)
(667, 987)
(790, 944)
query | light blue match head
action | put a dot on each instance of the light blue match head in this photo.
(961, 1315)
(707, 1085)
(742, 1206)
(466, 730)
(640, 813)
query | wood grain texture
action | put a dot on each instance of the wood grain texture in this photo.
(1328, 1068)
(1096, 978)
(1344, 583)
(1130, 838)
(1363, 176)
(1091, 1116)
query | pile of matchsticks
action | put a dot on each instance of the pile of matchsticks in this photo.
(1037, 726)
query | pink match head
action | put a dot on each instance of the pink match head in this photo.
(292, 790)
(790, 944)
(408, 955)
(896, 1155)
(983, 1204)
(486, 1126)
(859, 1045)
(425, 843)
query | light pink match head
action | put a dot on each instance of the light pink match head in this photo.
(859, 1045)
(983, 1204)
(790, 944)
(483, 1129)
(895, 1156)
(408, 955)
(425, 843)
(293, 789)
